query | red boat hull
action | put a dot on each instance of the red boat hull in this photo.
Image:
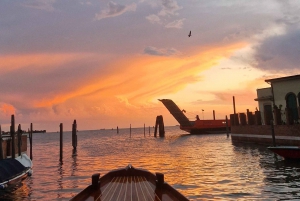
(287, 152)
(206, 127)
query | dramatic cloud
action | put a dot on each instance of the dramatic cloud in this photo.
(114, 10)
(280, 52)
(160, 52)
(59, 62)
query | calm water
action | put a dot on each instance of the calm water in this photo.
(202, 167)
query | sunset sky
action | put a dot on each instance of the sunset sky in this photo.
(106, 63)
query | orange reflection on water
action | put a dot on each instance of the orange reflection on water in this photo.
(201, 167)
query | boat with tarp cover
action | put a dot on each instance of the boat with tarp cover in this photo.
(14, 170)
(129, 183)
(199, 126)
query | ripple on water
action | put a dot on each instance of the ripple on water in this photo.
(202, 167)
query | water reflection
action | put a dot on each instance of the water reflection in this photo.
(60, 179)
(281, 178)
(74, 169)
(202, 167)
(20, 191)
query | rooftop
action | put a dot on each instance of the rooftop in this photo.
(283, 78)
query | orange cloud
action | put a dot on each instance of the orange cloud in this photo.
(141, 78)
(7, 109)
(123, 91)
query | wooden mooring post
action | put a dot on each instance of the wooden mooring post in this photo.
(19, 140)
(12, 134)
(1, 148)
(214, 115)
(74, 135)
(30, 141)
(144, 130)
(130, 130)
(117, 130)
(234, 119)
(61, 142)
(159, 123)
(227, 130)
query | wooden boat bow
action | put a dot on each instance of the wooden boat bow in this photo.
(129, 184)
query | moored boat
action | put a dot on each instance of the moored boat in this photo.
(198, 126)
(287, 152)
(14, 170)
(129, 183)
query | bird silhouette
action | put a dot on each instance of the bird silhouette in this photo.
(190, 34)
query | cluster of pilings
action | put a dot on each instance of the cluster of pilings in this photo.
(248, 118)
(15, 141)
(74, 140)
(255, 118)
(159, 123)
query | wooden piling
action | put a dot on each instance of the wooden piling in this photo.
(19, 140)
(144, 130)
(74, 135)
(214, 115)
(243, 119)
(117, 130)
(155, 129)
(273, 133)
(30, 141)
(159, 123)
(227, 129)
(234, 120)
(258, 118)
(149, 130)
(61, 143)
(1, 147)
(130, 130)
(161, 127)
(12, 134)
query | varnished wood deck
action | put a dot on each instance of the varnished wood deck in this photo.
(129, 188)
(129, 184)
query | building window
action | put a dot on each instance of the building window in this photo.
(291, 105)
(268, 114)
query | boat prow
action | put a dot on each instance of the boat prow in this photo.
(287, 152)
(129, 184)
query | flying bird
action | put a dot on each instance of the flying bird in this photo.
(190, 34)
